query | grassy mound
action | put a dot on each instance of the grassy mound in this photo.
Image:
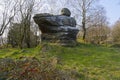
(85, 61)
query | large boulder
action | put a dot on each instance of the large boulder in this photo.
(57, 28)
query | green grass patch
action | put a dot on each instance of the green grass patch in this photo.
(92, 62)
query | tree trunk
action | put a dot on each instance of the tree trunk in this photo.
(84, 25)
(28, 37)
(84, 31)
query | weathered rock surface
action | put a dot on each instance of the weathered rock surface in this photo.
(65, 12)
(57, 28)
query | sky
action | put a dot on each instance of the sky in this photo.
(112, 8)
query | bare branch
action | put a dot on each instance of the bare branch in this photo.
(8, 14)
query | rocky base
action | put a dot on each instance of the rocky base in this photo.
(57, 40)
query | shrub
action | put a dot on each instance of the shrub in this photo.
(116, 45)
(32, 69)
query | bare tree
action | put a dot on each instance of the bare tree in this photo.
(25, 10)
(19, 12)
(98, 29)
(116, 32)
(8, 13)
(84, 7)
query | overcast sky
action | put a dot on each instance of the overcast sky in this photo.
(111, 6)
(112, 9)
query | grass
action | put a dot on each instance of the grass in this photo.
(92, 62)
